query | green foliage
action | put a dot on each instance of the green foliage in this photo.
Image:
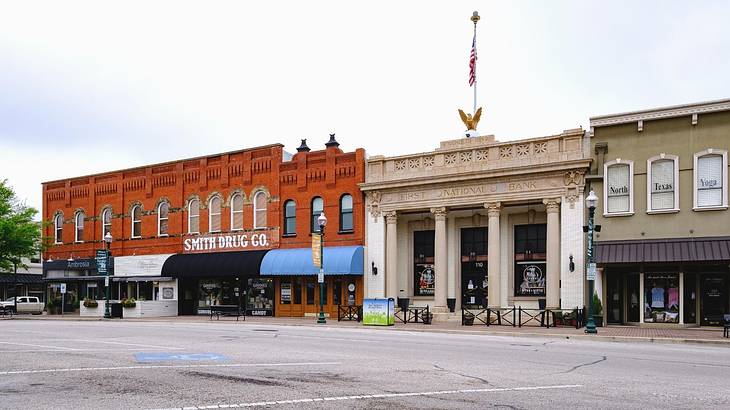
(90, 303)
(129, 303)
(20, 235)
(597, 306)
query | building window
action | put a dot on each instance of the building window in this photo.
(710, 176)
(662, 193)
(194, 216)
(424, 279)
(136, 221)
(290, 217)
(346, 213)
(79, 222)
(163, 211)
(530, 259)
(58, 226)
(236, 212)
(259, 210)
(662, 298)
(214, 214)
(106, 222)
(618, 188)
(317, 209)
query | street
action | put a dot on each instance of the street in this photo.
(151, 365)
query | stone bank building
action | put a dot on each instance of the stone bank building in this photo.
(479, 223)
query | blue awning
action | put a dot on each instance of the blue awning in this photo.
(338, 260)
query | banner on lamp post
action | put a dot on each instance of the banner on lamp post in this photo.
(317, 250)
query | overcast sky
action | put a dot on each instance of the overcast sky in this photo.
(86, 87)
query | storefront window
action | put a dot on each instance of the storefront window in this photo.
(423, 268)
(145, 291)
(661, 300)
(310, 291)
(285, 291)
(297, 291)
(337, 292)
(530, 267)
(690, 298)
(633, 292)
(474, 267)
(260, 300)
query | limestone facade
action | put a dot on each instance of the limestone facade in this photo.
(478, 183)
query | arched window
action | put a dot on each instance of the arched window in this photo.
(214, 214)
(236, 212)
(317, 208)
(290, 217)
(58, 226)
(259, 210)
(194, 216)
(79, 222)
(163, 212)
(662, 193)
(346, 222)
(710, 180)
(136, 221)
(618, 189)
(106, 222)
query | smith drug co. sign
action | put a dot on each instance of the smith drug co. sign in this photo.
(234, 241)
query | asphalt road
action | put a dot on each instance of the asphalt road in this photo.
(146, 365)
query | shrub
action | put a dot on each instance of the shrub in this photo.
(90, 303)
(597, 306)
(129, 303)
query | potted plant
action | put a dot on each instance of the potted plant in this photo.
(467, 318)
(90, 303)
(597, 310)
(129, 303)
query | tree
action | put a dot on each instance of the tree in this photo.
(20, 235)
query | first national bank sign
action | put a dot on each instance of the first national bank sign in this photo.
(233, 241)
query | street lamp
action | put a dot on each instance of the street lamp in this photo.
(591, 201)
(108, 241)
(322, 222)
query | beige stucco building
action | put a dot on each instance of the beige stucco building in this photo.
(662, 179)
(478, 222)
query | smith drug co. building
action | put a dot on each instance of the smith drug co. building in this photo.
(226, 229)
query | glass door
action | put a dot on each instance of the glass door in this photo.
(713, 299)
(614, 298)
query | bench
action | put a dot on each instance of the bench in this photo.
(226, 310)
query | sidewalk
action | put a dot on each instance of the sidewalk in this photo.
(609, 333)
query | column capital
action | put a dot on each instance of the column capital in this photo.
(439, 213)
(493, 209)
(552, 205)
(391, 217)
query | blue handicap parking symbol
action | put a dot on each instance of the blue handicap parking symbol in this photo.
(144, 357)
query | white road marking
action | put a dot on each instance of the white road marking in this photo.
(172, 366)
(43, 346)
(374, 396)
(110, 350)
(121, 343)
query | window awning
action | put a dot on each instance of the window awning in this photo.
(338, 260)
(211, 265)
(664, 250)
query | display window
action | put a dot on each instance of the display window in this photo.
(423, 268)
(260, 296)
(530, 267)
(661, 299)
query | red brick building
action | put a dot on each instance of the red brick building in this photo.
(196, 231)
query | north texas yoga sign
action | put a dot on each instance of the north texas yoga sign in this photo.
(233, 241)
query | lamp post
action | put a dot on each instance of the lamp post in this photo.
(322, 222)
(591, 201)
(108, 241)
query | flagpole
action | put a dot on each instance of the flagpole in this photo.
(475, 18)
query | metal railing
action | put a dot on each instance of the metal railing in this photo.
(414, 314)
(517, 316)
(349, 312)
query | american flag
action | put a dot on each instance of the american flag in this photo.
(473, 61)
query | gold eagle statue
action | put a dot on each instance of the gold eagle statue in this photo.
(469, 121)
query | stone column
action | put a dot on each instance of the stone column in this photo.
(391, 254)
(494, 254)
(440, 263)
(552, 281)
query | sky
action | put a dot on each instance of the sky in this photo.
(94, 86)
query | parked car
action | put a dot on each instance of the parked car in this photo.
(26, 304)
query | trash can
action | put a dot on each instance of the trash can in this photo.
(116, 310)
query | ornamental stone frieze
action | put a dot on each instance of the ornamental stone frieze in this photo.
(574, 181)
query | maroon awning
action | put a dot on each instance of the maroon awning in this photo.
(664, 250)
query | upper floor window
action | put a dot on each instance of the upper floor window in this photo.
(214, 214)
(236, 212)
(79, 222)
(58, 228)
(618, 187)
(259, 210)
(317, 209)
(163, 215)
(290, 217)
(194, 216)
(710, 176)
(136, 221)
(106, 222)
(346, 222)
(662, 193)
